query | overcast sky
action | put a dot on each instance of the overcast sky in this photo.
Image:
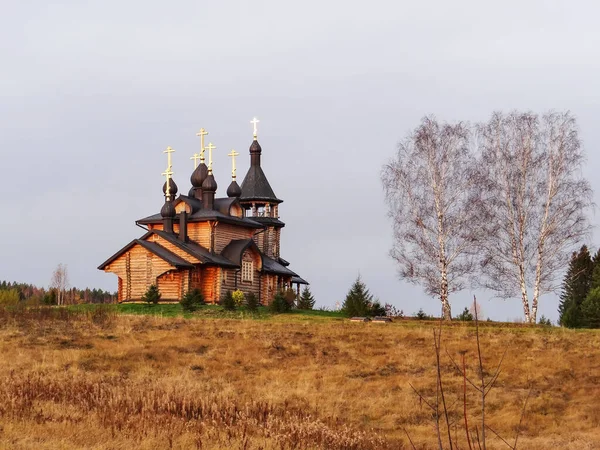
(92, 92)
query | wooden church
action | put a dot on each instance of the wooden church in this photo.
(212, 244)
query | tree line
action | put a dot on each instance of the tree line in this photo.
(497, 205)
(13, 293)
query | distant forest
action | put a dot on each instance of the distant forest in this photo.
(15, 293)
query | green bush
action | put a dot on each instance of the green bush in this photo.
(290, 297)
(306, 300)
(192, 300)
(420, 315)
(280, 304)
(251, 302)
(238, 297)
(465, 316)
(375, 309)
(152, 295)
(9, 298)
(544, 321)
(228, 302)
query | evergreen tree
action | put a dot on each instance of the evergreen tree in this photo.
(466, 315)
(280, 304)
(590, 309)
(306, 300)
(152, 295)
(576, 285)
(358, 300)
(192, 300)
(251, 302)
(228, 302)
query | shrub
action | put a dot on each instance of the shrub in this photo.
(420, 315)
(358, 300)
(228, 302)
(306, 300)
(375, 309)
(251, 302)
(9, 298)
(238, 297)
(192, 300)
(279, 304)
(465, 316)
(152, 295)
(545, 321)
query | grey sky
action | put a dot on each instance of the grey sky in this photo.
(92, 92)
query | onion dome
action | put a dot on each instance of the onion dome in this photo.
(209, 184)
(172, 188)
(168, 210)
(234, 189)
(199, 175)
(255, 147)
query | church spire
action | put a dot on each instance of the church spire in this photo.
(234, 189)
(169, 188)
(200, 171)
(168, 210)
(255, 149)
(209, 186)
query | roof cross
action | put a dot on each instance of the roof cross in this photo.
(196, 157)
(233, 154)
(167, 174)
(168, 151)
(210, 147)
(255, 122)
(202, 133)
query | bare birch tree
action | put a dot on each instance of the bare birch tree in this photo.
(534, 201)
(428, 186)
(60, 282)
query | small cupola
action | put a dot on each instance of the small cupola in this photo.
(209, 186)
(234, 189)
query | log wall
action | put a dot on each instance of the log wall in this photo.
(225, 233)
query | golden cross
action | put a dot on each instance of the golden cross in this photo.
(167, 173)
(254, 122)
(195, 158)
(210, 148)
(168, 151)
(202, 133)
(233, 154)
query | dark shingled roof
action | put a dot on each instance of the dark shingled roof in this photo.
(153, 247)
(272, 266)
(165, 254)
(196, 250)
(236, 248)
(298, 280)
(256, 187)
(204, 215)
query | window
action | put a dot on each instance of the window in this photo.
(247, 271)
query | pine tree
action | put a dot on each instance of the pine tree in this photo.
(251, 302)
(280, 304)
(575, 288)
(590, 309)
(152, 295)
(306, 300)
(228, 302)
(358, 300)
(192, 300)
(465, 316)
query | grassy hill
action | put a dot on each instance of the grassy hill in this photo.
(97, 378)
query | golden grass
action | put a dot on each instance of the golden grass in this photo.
(103, 381)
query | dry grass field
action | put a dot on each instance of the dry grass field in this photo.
(99, 380)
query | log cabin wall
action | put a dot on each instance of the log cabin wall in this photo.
(199, 232)
(170, 285)
(228, 280)
(137, 269)
(254, 285)
(225, 233)
(210, 284)
(173, 248)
